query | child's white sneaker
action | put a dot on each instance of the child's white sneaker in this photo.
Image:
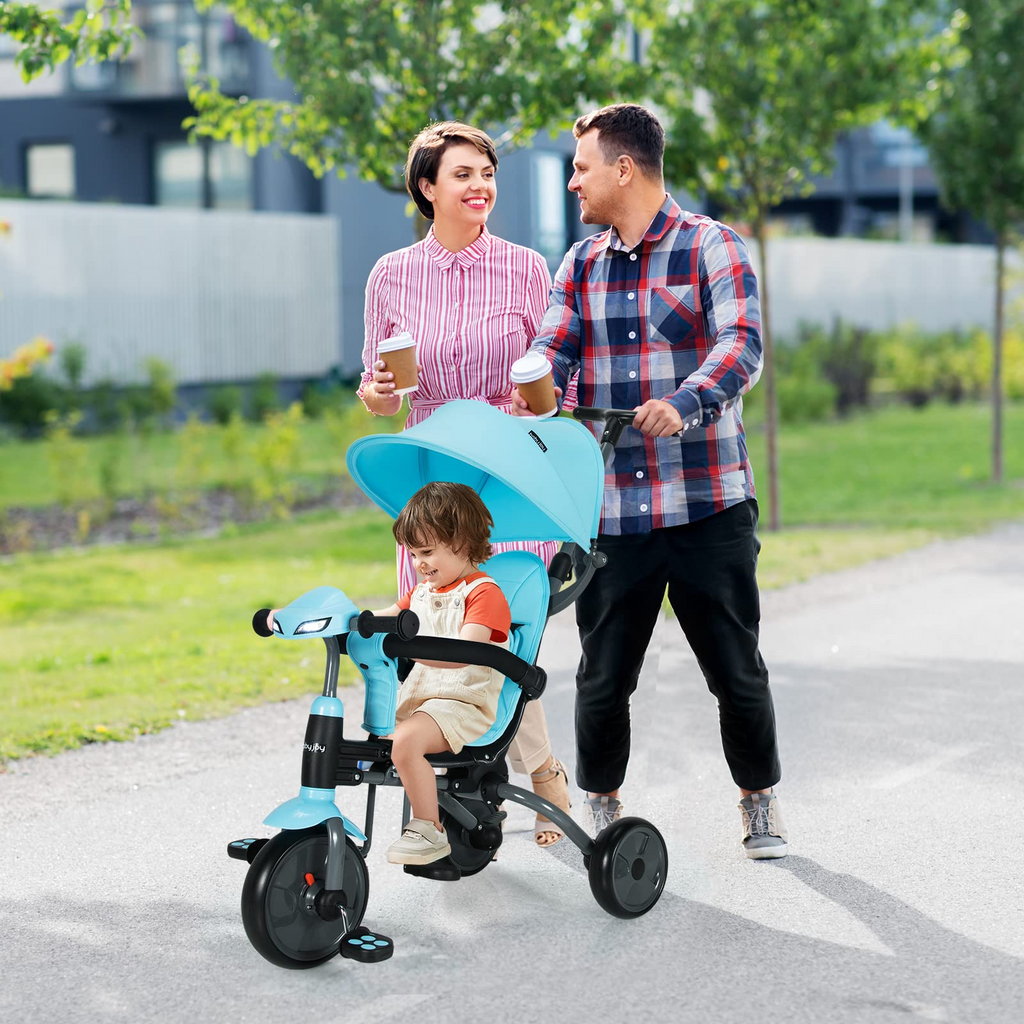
(421, 843)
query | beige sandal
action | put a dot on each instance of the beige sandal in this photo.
(558, 780)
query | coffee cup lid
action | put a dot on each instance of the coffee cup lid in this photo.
(403, 340)
(529, 368)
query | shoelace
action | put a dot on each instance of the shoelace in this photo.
(758, 815)
(603, 817)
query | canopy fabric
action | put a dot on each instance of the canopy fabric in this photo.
(540, 479)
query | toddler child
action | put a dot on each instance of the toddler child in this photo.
(444, 705)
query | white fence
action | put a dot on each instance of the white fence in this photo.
(217, 295)
(882, 284)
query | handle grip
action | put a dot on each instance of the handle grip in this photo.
(586, 412)
(259, 623)
(405, 624)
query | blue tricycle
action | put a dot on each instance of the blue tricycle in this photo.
(307, 887)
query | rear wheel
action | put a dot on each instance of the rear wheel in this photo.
(628, 867)
(469, 858)
(278, 921)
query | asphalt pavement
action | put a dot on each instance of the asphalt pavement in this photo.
(899, 692)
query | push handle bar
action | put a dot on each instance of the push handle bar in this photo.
(587, 412)
(614, 420)
(259, 623)
(405, 624)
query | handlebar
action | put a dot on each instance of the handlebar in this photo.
(586, 412)
(405, 624)
(530, 678)
(614, 420)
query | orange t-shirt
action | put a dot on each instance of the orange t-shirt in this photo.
(485, 604)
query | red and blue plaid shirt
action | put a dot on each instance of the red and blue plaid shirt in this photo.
(676, 318)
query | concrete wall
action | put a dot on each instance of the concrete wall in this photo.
(881, 284)
(220, 296)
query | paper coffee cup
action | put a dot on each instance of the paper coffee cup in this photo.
(532, 376)
(399, 353)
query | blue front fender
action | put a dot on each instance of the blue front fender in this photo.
(309, 808)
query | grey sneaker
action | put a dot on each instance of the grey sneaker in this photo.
(599, 812)
(764, 835)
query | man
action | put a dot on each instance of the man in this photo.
(660, 314)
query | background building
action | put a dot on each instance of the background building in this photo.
(112, 133)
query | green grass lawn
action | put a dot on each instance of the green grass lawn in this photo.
(104, 643)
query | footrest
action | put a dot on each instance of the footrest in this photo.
(441, 870)
(365, 946)
(246, 849)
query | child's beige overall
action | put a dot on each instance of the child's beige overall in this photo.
(462, 701)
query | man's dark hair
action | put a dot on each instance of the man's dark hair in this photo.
(430, 145)
(627, 129)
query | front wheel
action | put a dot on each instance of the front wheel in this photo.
(628, 867)
(278, 922)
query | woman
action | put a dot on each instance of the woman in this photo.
(473, 302)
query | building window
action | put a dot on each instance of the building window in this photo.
(206, 175)
(50, 170)
(231, 177)
(550, 227)
(178, 170)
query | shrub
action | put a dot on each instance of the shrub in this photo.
(68, 458)
(162, 392)
(109, 407)
(849, 360)
(224, 403)
(26, 402)
(911, 362)
(72, 358)
(264, 399)
(319, 397)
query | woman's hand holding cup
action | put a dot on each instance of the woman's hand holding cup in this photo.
(383, 388)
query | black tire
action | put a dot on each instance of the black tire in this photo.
(628, 867)
(467, 857)
(276, 920)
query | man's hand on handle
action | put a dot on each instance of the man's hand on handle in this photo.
(658, 419)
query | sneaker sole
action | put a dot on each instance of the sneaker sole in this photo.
(419, 858)
(767, 852)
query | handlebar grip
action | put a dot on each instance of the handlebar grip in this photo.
(585, 412)
(259, 623)
(405, 624)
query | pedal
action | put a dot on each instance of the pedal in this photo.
(441, 870)
(246, 849)
(365, 946)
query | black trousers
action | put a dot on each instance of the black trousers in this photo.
(709, 569)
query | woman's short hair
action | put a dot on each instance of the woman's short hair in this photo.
(430, 145)
(444, 513)
(627, 128)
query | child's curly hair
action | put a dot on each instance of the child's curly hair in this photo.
(444, 513)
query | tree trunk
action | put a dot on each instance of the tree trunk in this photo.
(997, 363)
(771, 405)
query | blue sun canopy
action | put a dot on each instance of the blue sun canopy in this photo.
(540, 479)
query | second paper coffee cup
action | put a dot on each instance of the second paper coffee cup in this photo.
(399, 353)
(532, 376)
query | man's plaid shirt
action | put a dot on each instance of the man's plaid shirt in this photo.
(676, 318)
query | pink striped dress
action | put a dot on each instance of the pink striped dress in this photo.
(472, 313)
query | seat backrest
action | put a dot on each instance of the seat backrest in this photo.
(523, 579)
